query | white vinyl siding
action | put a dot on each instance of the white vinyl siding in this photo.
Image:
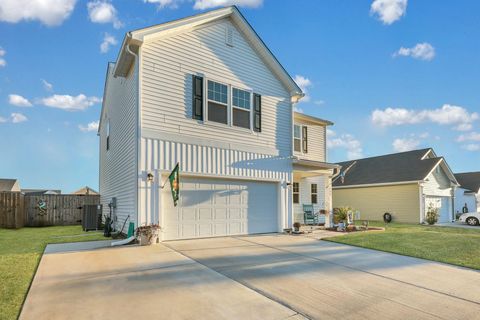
(168, 65)
(118, 164)
(461, 199)
(437, 184)
(316, 142)
(305, 196)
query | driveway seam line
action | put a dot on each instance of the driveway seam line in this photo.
(260, 292)
(364, 271)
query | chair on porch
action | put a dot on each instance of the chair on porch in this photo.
(309, 217)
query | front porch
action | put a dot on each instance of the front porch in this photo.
(312, 189)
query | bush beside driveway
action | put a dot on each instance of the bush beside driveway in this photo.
(458, 246)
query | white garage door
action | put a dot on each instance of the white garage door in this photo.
(443, 205)
(218, 207)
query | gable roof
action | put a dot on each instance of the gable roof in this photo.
(86, 191)
(9, 185)
(134, 39)
(410, 166)
(469, 180)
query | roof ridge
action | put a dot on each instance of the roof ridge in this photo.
(388, 154)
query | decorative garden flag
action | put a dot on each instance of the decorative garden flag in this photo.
(174, 179)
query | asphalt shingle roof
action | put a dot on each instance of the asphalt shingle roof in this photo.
(397, 167)
(469, 180)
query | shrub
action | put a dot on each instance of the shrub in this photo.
(432, 215)
(340, 214)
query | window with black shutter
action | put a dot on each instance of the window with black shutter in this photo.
(257, 112)
(304, 139)
(296, 192)
(197, 104)
(314, 193)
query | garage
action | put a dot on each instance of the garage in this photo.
(220, 207)
(443, 205)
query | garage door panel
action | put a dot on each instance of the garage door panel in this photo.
(218, 207)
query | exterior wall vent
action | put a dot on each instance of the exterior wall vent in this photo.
(229, 36)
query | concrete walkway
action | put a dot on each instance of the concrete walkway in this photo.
(138, 283)
(324, 280)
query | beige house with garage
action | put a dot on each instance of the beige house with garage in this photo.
(403, 184)
(206, 93)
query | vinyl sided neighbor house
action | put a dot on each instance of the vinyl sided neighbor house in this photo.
(206, 92)
(402, 184)
(468, 192)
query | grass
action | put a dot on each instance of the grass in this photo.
(20, 253)
(456, 246)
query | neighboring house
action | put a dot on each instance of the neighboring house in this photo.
(9, 185)
(206, 92)
(39, 192)
(469, 191)
(86, 191)
(402, 184)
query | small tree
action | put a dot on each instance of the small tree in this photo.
(432, 215)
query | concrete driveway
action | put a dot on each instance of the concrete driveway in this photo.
(255, 277)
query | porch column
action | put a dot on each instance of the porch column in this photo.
(328, 202)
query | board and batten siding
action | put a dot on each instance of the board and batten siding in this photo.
(118, 165)
(437, 184)
(316, 142)
(166, 86)
(402, 201)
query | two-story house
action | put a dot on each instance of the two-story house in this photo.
(205, 92)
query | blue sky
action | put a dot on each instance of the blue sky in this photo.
(392, 75)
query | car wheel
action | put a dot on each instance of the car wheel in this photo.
(472, 221)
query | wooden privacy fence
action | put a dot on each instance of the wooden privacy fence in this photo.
(12, 214)
(43, 210)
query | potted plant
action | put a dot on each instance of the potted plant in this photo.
(432, 215)
(296, 227)
(147, 234)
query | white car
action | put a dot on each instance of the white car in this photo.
(470, 218)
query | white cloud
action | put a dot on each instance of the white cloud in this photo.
(319, 102)
(47, 85)
(407, 144)
(206, 4)
(472, 147)
(70, 103)
(172, 4)
(19, 101)
(92, 126)
(472, 136)
(421, 51)
(389, 11)
(297, 109)
(3, 120)
(345, 141)
(304, 83)
(3, 62)
(448, 114)
(101, 11)
(18, 117)
(108, 40)
(48, 12)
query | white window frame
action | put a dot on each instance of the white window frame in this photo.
(243, 109)
(295, 192)
(227, 105)
(314, 193)
(301, 137)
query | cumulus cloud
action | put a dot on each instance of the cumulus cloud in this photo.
(47, 85)
(472, 136)
(92, 126)
(19, 101)
(345, 141)
(407, 144)
(3, 62)
(108, 40)
(421, 51)
(18, 118)
(304, 84)
(448, 114)
(388, 11)
(48, 12)
(172, 4)
(70, 103)
(100, 11)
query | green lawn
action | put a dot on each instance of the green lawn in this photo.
(445, 244)
(20, 253)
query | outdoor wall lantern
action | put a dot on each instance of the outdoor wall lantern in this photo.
(150, 177)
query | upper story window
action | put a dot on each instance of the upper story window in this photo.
(217, 102)
(241, 111)
(300, 142)
(226, 104)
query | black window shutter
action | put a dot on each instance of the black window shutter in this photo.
(257, 112)
(305, 139)
(197, 101)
